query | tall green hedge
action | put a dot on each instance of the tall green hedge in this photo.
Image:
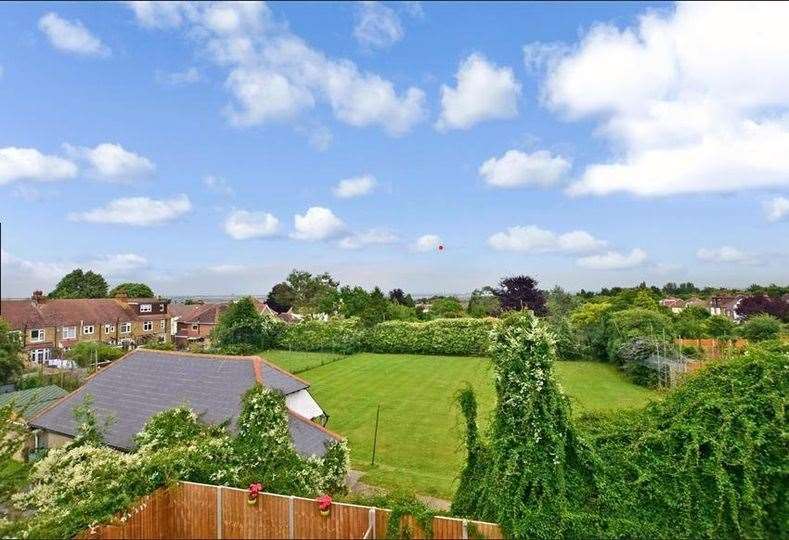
(466, 337)
(462, 337)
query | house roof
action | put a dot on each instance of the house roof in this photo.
(672, 302)
(146, 382)
(64, 312)
(201, 313)
(33, 400)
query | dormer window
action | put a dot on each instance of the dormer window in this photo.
(145, 308)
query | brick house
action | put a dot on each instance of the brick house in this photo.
(726, 306)
(48, 326)
(197, 321)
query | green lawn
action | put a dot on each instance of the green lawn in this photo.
(419, 436)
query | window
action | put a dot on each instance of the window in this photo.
(162, 324)
(37, 335)
(88, 329)
(109, 328)
(39, 355)
(195, 327)
(147, 326)
(69, 332)
(126, 328)
(145, 308)
(161, 308)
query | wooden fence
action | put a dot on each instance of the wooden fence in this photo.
(190, 510)
(712, 348)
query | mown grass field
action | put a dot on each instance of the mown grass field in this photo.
(420, 432)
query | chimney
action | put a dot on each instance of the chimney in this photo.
(38, 297)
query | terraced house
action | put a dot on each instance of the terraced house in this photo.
(50, 326)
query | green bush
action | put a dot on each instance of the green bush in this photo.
(760, 328)
(462, 337)
(84, 354)
(336, 335)
(632, 323)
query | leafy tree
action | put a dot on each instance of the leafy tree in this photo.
(632, 323)
(306, 293)
(484, 303)
(281, 297)
(79, 284)
(521, 292)
(447, 307)
(763, 304)
(11, 363)
(399, 297)
(85, 353)
(690, 322)
(719, 326)
(132, 290)
(645, 300)
(240, 328)
(560, 302)
(760, 328)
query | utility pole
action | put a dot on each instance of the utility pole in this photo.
(375, 436)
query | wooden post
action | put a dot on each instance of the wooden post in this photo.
(375, 435)
(291, 528)
(219, 512)
(465, 530)
(371, 523)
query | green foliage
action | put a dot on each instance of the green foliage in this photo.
(240, 327)
(343, 336)
(471, 483)
(632, 323)
(720, 327)
(483, 303)
(86, 353)
(465, 336)
(11, 363)
(159, 345)
(691, 322)
(132, 290)
(447, 307)
(305, 293)
(79, 284)
(89, 430)
(760, 328)
(402, 505)
(709, 461)
(12, 431)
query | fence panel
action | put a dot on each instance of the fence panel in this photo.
(267, 518)
(343, 521)
(194, 511)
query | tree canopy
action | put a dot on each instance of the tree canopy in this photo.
(79, 284)
(11, 363)
(240, 328)
(132, 290)
(521, 292)
(304, 292)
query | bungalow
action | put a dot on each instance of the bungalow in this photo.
(676, 305)
(726, 306)
(146, 382)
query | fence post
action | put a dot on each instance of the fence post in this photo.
(371, 523)
(219, 512)
(291, 528)
(464, 534)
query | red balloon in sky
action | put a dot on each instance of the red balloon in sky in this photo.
(440, 247)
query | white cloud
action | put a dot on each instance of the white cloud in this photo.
(112, 163)
(427, 242)
(367, 238)
(614, 260)
(217, 184)
(516, 168)
(71, 36)
(533, 239)
(118, 265)
(161, 14)
(30, 164)
(355, 187)
(241, 225)
(484, 92)
(317, 223)
(678, 118)
(726, 254)
(538, 56)
(274, 75)
(777, 208)
(137, 211)
(178, 78)
(320, 138)
(377, 25)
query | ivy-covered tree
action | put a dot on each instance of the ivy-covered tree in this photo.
(240, 328)
(521, 292)
(11, 363)
(79, 284)
(132, 290)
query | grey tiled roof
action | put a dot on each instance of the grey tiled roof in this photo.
(146, 382)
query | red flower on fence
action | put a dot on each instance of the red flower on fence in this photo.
(324, 504)
(254, 491)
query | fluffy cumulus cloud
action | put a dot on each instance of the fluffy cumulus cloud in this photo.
(427, 242)
(532, 239)
(368, 238)
(678, 118)
(274, 75)
(614, 260)
(777, 209)
(484, 91)
(137, 211)
(377, 25)
(726, 254)
(516, 169)
(355, 187)
(242, 225)
(110, 162)
(317, 223)
(71, 36)
(30, 164)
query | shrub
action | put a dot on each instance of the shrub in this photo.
(85, 353)
(463, 337)
(239, 325)
(336, 335)
(720, 327)
(159, 345)
(760, 328)
(633, 323)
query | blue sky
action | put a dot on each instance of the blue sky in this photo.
(203, 148)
